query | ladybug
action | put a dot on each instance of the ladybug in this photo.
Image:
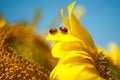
(52, 30)
(63, 29)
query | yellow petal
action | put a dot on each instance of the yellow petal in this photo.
(89, 74)
(70, 7)
(115, 56)
(71, 49)
(59, 36)
(79, 31)
(69, 68)
(76, 27)
(2, 21)
(57, 51)
(77, 58)
(65, 19)
(64, 72)
(78, 13)
(77, 72)
(60, 49)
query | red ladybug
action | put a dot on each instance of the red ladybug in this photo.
(52, 30)
(63, 29)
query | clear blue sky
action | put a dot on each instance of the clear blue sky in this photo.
(102, 17)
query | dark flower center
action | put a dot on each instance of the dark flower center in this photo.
(106, 69)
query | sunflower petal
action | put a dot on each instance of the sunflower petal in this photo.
(59, 36)
(2, 21)
(79, 31)
(115, 54)
(77, 72)
(65, 19)
(75, 49)
(60, 49)
(70, 8)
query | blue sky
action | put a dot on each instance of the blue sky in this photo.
(102, 17)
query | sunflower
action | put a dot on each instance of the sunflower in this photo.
(23, 54)
(79, 58)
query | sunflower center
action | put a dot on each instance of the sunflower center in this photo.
(106, 69)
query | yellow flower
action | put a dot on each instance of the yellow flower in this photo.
(18, 41)
(79, 58)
